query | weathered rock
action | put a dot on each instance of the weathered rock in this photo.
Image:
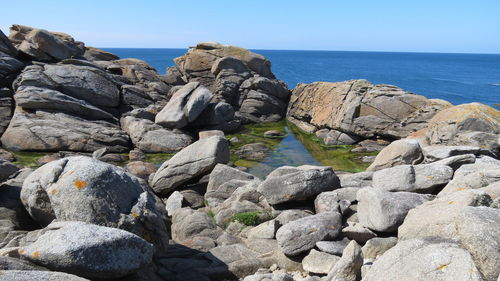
(6, 105)
(423, 178)
(297, 183)
(84, 189)
(360, 108)
(439, 152)
(42, 45)
(174, 202)
(217, 116)
(266, 230)
(26, 275)
(455, 162)
(472, 180)
(6, 46)
(330, 201)
(291, 215)
(188, 223)
(348, 268)
(6, 169)
(435, 259)
(253, 151)
(194, 161)
(301, 235)
(448, 125)
(319, 262)
(434, 218)
(153, 138)
(92, 54)
(356, 180)
(333, 137)
(239, 260)
(9, 67)
(357, 232)
(377, 246)
(385, 211)
(479, 233)
(273, 134)
(400, 152)
(210, 133)
(141, 169)
(89, 250)
(9, 263)
(333, 247)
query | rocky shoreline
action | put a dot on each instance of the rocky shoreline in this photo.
(427, 208)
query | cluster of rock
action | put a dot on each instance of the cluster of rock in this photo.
(57, 94)
(426, 208)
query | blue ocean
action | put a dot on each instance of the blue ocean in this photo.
(457, 78)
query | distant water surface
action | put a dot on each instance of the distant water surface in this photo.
(458, 78)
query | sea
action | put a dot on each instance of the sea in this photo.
(457, 78)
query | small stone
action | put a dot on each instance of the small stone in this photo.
(319, 262)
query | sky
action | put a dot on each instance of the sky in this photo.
(449, 26)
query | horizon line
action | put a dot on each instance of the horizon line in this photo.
(319, 50)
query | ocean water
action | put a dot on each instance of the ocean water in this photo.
(457, 78)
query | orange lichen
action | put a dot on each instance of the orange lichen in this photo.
(134, 214)
(53, 191)
(21, 251)
(460, 188)
(451, 202)
(314, 229)
(79, 184)
(36, 255)
(332, 227)
(430, 177)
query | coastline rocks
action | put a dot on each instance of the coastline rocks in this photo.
(93, 54)
(319, 262)
(423, 178)
(360, 108)
(302, 235)
(41, 45)
(297, 183)
(187, 224)
(89, 250)
(453, 126)
(84, 189)
(384, 211)
(348, 268)
(153, 138)
(399, 152)
(24, 275)
(333, 137)
(194, 161)
(253, 151)
(433, 258)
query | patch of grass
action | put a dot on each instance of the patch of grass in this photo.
(158, 158)
(28, 159)
(211, 214)
(246, 218)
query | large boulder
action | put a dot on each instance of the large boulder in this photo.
(153, 138)
(360, 108)
(435, 218)
(39, 44)
(187, 224)
(84, 189)
(92, 54)
(89, 250)
(400, 152)
(302, 235)
(26, 275)
(384, 211)
(479, 177)
(466, 124)
(193, 162)
(9, 67)
(236, 77)
(297, 183)
(433, 258)
(46, 131)
(6, 105)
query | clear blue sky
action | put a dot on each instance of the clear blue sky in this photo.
(470, 26)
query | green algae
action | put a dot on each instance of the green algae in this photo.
(28, 159)
(158, 158)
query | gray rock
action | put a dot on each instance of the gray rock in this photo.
(42, 45)
(25, 275)
(9, 67)
(188, 223)
(438, 152)
(92, 54)
(297, 183)
(253, 151)
(141, 169)
(358, 180)
(174, 202)
(89, 250)
(265, 230)
(333, 247)
(6, 106)
(435, 218)
(6, 169)
(348, 268)
(84, 189)
(152, 138)
(479, 234)
(173, 115)
(473, 180)
(319, 262)
(239, 260)
(269, 277)
(194, 161)
(46, 131)
(334, 137)
(198, 101)
(329, 201)
(135, 96)
(291, 215)
(9, 263)
(400, 152)
(455, 162)
(384, 211)
(423, 178)
(301, 235)
(435, 259)
(6, 46)
(357, 232)
(377, 246)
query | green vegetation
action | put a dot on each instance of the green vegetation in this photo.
(246, 218)
(28, 159)
(158, 158)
